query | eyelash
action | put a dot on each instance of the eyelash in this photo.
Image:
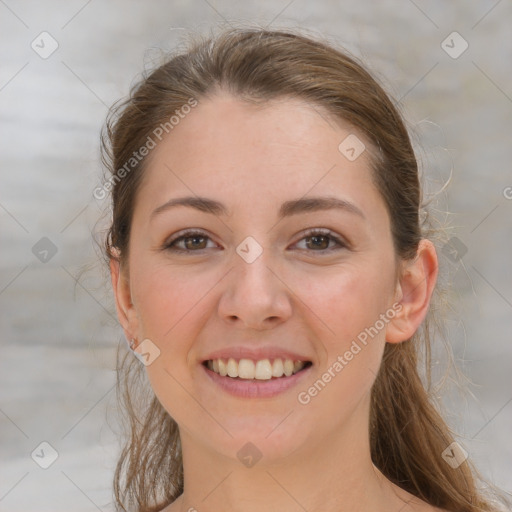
(308, 234)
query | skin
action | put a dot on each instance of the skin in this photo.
(315, 456)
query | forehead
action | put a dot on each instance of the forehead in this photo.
(250, 154)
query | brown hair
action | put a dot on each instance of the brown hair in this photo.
(407, 433)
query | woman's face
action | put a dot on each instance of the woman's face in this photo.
(252, 284)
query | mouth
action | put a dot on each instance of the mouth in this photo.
(260, 370)
(262, 378)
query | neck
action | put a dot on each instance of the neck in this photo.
(330, 473)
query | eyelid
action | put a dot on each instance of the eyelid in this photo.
(341, 242)
(185, 233)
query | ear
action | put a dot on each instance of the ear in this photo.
(126, 312)
(414, 291)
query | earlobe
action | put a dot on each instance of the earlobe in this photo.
(415, 286)
(124, 306)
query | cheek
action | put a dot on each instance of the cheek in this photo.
(171, 305)
(348, 300)
(167, 298)
(350, 306)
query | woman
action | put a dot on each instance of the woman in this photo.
(272, 274)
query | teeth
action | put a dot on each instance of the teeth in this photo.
(277, 368)
(232, 368)
(259, 370)
(223, 371)
(246, 369)
(288, 367)
(297, 365)
(263, 370)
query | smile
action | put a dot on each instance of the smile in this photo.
(263, 378)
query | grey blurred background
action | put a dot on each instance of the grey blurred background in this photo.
(59, 335)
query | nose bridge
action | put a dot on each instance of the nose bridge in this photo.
(253, 268)
(255, 293)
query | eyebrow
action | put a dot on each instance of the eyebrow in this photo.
(287, 209)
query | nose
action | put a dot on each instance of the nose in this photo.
(256, 296)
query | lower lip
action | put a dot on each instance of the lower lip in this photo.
(255, 388)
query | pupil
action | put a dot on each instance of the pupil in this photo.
(195, 238)
(316, 238)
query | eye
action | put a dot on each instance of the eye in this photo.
(317, 240)
(193, 241)
(320, 240)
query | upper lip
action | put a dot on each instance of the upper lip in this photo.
(256, 354)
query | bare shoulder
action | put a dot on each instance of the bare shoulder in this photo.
(417, 505)
(426, 507)
(173, 507)
(412, 503)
